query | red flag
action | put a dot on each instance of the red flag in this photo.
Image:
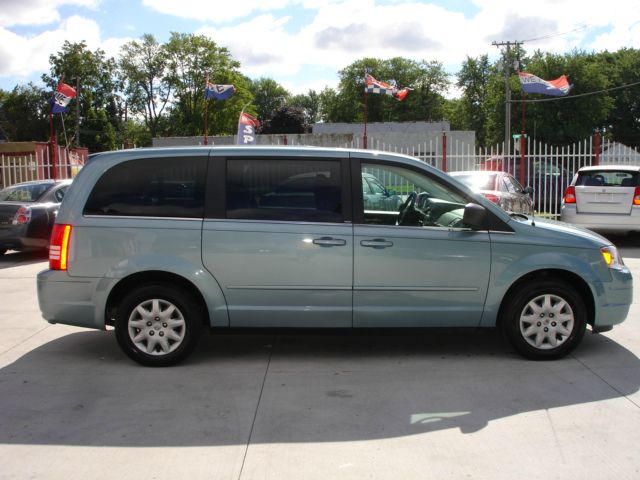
(61, 98)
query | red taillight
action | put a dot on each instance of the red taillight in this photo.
(570, 194)
(59, 247)
(22, 216)
(636, 196)
(491, 197)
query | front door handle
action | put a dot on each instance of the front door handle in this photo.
(376, 243)
(329, 242)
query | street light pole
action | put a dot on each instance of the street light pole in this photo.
(507, 91)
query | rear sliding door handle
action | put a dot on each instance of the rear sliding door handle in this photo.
(329, 242)
(376, 243)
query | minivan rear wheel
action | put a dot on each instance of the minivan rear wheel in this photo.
(545, 319)
(158, 325)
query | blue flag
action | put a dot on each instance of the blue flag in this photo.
(218, 92)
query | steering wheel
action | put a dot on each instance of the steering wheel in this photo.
(408, 206)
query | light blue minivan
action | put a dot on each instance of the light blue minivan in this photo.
(161, 242)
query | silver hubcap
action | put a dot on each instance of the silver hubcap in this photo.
(156, 327)
(546, 321)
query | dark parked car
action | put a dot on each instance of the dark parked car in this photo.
(499, 187)
(27, 213)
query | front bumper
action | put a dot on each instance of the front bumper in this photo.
(613, 300)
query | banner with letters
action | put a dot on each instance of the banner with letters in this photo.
(532, 84)
(247, 125)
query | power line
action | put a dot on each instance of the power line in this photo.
(576, 96)
(581, 26)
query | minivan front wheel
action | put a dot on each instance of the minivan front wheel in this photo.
(158, 325)
(545, 319)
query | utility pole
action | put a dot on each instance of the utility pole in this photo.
(507, 94)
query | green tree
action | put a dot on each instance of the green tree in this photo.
(623, 121)
(268, 95)
(135, 134)
(425, 102)
(191, 59)
(286, 119)
(454, 113)
(143, 68)
(473, 80)
(310, 102)
(98, 96)
(24, 113)
(569, 119)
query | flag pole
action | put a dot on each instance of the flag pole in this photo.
(52, 149)
(206, 112)
(523, 127)
(52, 142)
(366, 110)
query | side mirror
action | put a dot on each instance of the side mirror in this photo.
(528, 190)
(391, 193)
(474, 216)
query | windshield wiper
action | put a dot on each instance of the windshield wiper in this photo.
(520, 215)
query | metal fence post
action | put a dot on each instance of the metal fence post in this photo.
(444, 152)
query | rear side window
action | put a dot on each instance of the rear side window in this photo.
(24, 193)
(607, 178)
(288, 190)
(153, 187)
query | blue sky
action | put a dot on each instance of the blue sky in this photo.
(303, 44)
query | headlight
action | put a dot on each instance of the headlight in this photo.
(611, 257)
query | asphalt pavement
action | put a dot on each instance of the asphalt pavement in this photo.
(440, 404)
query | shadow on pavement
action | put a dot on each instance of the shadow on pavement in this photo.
(13, 258)
(629, 244)
(81, 390)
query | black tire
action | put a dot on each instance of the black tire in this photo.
(158, 325)
(541, 314)
(3, 251)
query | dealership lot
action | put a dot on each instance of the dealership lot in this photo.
(433, 404)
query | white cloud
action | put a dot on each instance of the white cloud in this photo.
(208, 11)
(343, 32)
(317, 84)
(270, 42)
(36, 12)
(21, 56)
(625, 33)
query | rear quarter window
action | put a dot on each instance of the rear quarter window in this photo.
(151, 187)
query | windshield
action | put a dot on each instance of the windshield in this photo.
(475, 181)
(24, 193)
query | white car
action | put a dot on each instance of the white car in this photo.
(605, 198)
